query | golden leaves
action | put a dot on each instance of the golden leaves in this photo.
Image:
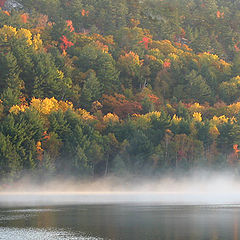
(49, 105)
(84, 114)
(45, 106)
(176, 119)
(197, 116)
(8, 32)
(111, 117)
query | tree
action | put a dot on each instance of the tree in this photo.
(24, 131)
(9, 73)
(197, 88)
(10, 98)
(10, 161)
(158, 127)
(204, 133)
(10, 83)
(229, 135)
(130, 66)
(230, 90)
(187, 150)
(48, 81)
(120, 105)
(90, 57)
(139, 149)
(91, 90)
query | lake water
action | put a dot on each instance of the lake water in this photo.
(120, 222)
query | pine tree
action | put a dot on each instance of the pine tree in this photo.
(91, 90)
(9, 76)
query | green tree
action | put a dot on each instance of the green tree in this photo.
(10, 161)
(9, 73)
(24, 131)
(197, 88)
(91, 90)
(10, 97)
(47, 80)
(102, 63)
(229, 135)
(230, 90)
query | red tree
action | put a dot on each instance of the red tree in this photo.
(65, 43)
(70, 26)
(119, 105)
(145, 41)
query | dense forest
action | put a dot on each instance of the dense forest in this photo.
(98, 87)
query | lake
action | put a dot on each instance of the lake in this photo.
(119, 221)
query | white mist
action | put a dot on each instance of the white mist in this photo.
(201, 188)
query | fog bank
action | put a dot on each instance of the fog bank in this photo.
(198, 188)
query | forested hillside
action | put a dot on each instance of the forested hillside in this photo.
(97, 87)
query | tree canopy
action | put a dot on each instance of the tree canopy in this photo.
(98, 87)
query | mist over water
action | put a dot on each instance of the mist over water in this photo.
(197, 188)
(200, 205)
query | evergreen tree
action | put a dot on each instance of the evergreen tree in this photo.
(197, 88)
(91, 90)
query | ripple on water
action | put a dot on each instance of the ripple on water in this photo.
(40, 234)
(14, 217)
(32, 210)
(16, 214)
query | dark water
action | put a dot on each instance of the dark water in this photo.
(122, 221)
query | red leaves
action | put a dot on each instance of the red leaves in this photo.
(145, 41)
(70, 26)
(154, 99)
(236, 46)
(147, 94)
(166, 64)
(220, 15)
(7, 13)
(235, 148)
(233, 157)
(119, 105)
(45, 136)
(85, 13)
(24, 17)
(65, 43)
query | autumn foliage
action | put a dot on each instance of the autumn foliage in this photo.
(135, 86)
(24, 17)
(119, 105)
(145, 41)
(84, 13)
(65, 43)
(70, 25)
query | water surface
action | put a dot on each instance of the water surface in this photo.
(120, 222)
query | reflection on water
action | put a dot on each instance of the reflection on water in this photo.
(121, 222)
(30, 210)
(38, 234)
